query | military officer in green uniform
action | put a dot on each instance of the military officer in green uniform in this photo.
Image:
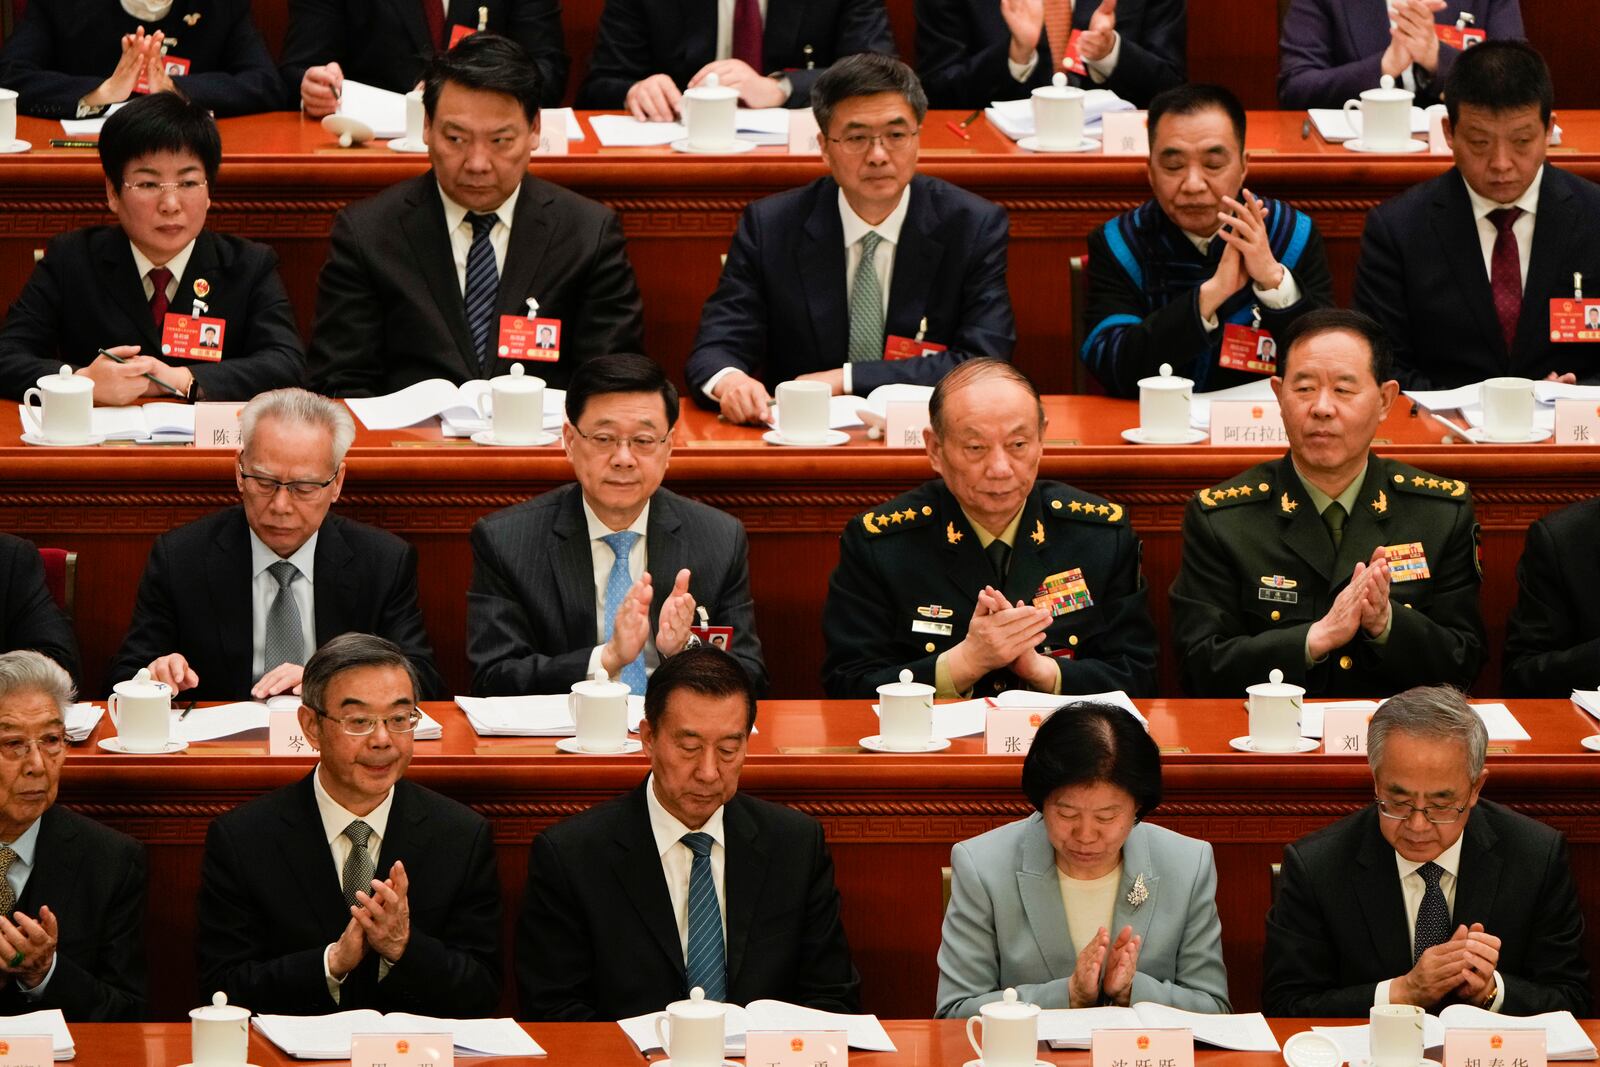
(1354, 574)
(986, 579)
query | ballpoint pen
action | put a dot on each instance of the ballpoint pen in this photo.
(960, 128)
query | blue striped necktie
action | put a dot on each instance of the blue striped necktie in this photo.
(483, 287)
(618, 582)
(705, 963)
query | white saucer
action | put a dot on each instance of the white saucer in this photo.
(196, 1065)
(406, 144)
(570, 744)
(1031, 144)
(1535, 435)
(1245, 744)
(737, 148)
(87, 442)
(14, 147)
(730, 1063)
(875, 744)
(1592, 742)
(979, 1063)
(486, 437)
(1412, 146)
(1135, 435)
(829, 440)
(114, 744)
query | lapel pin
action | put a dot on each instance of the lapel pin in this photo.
(202, 288)
(954, 535)
(1038, 532)
(1139, 893)
(191, 19)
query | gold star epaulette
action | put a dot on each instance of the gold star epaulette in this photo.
(1064, 504)
(1411, 480)
(894, 516)
(1237, 492)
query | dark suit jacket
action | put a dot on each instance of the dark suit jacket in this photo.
(597, 940)
(385, 42)
(1422, 276)
(270, 904)
(782, 307)
(93, 880)
(194, 598)
(29, 615)
(1553, 636)
(1329, 50)
(86, 294)
(1338, 926)
(531, 606)
(389, 307)
(64, 49)
(963, 47)
(801, 38)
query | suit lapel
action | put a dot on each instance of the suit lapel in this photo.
(333, 585)
(780, 34)
(56, 861)
(637, 867)
(1478, 881)
(228, 580)
(204, 263)
(1039, 888)
(532, 234)
(1457, 233)
(423, 224)
(410, 14)
(744, 877)
(405, 829)
(572, 567)
(1028, 563)
(916, 263)
(820, 252)
(1136, 863)
(664, 547)
(964, 566)
(304, 851)
(119, 276)
(1549, 260)
(1378, 896)
(1302, 528)
(699, 34)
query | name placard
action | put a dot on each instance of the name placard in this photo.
(1577, 422)
(34, 1050)
(552, 133)
(217, 425)
(284, 735)
(1344, 731)
(906, 421)
(1009, 731)
(1247, 422)
(796, 1048)
(1142, 1048)
(1494, 1048)
(803, 132)
(1125, 133)
(402, 1050)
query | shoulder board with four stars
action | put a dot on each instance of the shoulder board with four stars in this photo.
(894, 516)
(1061, 502)
(1408, 479)
(1252, 486)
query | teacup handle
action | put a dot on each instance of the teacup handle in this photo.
(977, 1045)
(1349, 106)
(116, 712)
(661, 1032)
(36, 412)
(484, 397)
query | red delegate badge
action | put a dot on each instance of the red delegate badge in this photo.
(718, 637)
(1459, 37)
(192, 337)
(525, 338)
(458, 33)
(1247, 348)
(1574, 319)
(1072, 61)
(909, 348)
(175, 66)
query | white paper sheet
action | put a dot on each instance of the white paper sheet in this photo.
(1565, 1039)
(1588, 700)
(531, 716)
(1014, 118)
(574, 127)
(82, 718)
(1200, 403)
(327, 1037)
(417, 403)
(863, 1032)
(135, 422)
(382, 109)
(1550, 392)
(1311, 713)
(625, 131)
(1502, 725)
(1355, 1042)
(1335, 126)
(762, 125)
(50, 1022)
(216, 721)
(89, 127)
(1067, 1028)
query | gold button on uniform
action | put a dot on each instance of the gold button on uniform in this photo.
(1345, 663)
(1276, 615)
(1399, 479)
(1072, 640)
(1056, 504)
(926, 510)
(1408, 605)
(928, 647)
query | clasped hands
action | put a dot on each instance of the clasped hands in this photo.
(141, 55)
(28, 948)
(1462, 967)
(657, 99)
(1411, 37)
(1025, 20)
(1105, 970)
(1362, 606)
(117, 384)
(1248, 257)
(1003, 636)
(380, 921)
(631, 627)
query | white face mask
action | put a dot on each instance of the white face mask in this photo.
(147, 10)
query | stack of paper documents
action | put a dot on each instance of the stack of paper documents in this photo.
(965, 718)
(531, 716)
(51, 1023)
(1014, 118)
(1497, 718)
(382, 109)
(81, 721)
(1200, 403)
(1564, 1038)
(1335, 126)
(146, 423)
(863, 1031)
(456, 407)
(327, 1037)
(1588, 700)
(1074, 1027)
(767, 125)
(89, 127)
(230, 720)
(1467, 399)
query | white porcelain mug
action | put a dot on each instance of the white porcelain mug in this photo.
(8, 117)
(1396, 1035)
(1058, 115)
(1164, 403)
(62, 414)
(1385, 117)
(692, 1032)
(599, 710)
(1010, 1033)
(1275, 713)
(710, 115)
(905, 714)
(1507, 408)
(803, 410)
(415, 118)
(219, 1034)
(517, 416)
(141, 707)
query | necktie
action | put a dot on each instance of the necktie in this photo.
(358, 866)
(618, 582)
(8, 896)
(1334, 518)
(999, 554)
(705, 963)
(433, 14)
(1505, 272)
(1057, 30)
(747, 30)
(1433, 917)
(483, 287)
(866, 305)
(160, 277)
(285, 642)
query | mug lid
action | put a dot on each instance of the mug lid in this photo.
(142, 685)
(905, 687)
(65, 381)
(712, 89)
(517, 380)
(219, 1010)
(697, 1006)
(1166, 380)
(1010, 1008)
(1275, 686)
(1058, 89)
(1311, 1049)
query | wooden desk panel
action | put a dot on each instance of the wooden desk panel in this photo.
(890, 820)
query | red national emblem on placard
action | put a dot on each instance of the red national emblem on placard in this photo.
(402, 1046)
(5, 1048)
(797, 1044)
(1143, 1042)
(1256, 412)
(1035, 719)
(1496, 1041)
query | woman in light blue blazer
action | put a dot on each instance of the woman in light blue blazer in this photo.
(1082, 903)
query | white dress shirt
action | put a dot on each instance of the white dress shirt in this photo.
(1522, 229)
(335, 817)
(603, 557)
(1411, 889)
(725, 27)
(460, 231)
(676, 860)
(1287, 293)
(26, 846)
(177, 265)
(148, 10)
(264, 590)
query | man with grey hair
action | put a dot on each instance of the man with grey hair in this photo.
(1430, 896)
(873, 275)
(72, 892)
(232, 604)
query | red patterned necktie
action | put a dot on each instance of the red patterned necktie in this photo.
(159, 278)
(1505, 272)
(433, 11)
(747, 33)
(1057, 30)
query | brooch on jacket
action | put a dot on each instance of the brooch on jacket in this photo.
(1138, 894)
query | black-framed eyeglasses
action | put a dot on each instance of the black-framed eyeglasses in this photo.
(1438, 814)
(640, 444)
(15, 749)
(261, 485)
(399, 722)
(858, 144)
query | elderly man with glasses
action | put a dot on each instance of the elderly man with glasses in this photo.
(1431, 896)
(353, 888)
(231, 604)
(872, 275)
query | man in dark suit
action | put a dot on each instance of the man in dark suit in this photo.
(1461, 269)
(97, 288)
(1188, 277)
(418, 276)
(1553, 634)
(1431, 896)
(613, 572)
(986, 578)
(648, 51)
(808, 292)
(29, 615)
(1332, 50)
(231, 605)
(353, 888)
(1354, 574)
(72, 892)
(386, 42)
(684, 882)
(74, 58)
(970, 52)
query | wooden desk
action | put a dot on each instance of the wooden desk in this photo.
(283, 179)
(890, 819)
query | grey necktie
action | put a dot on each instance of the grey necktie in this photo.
(358, 867)
(866, 305)
(285, 641)
(8, 896)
